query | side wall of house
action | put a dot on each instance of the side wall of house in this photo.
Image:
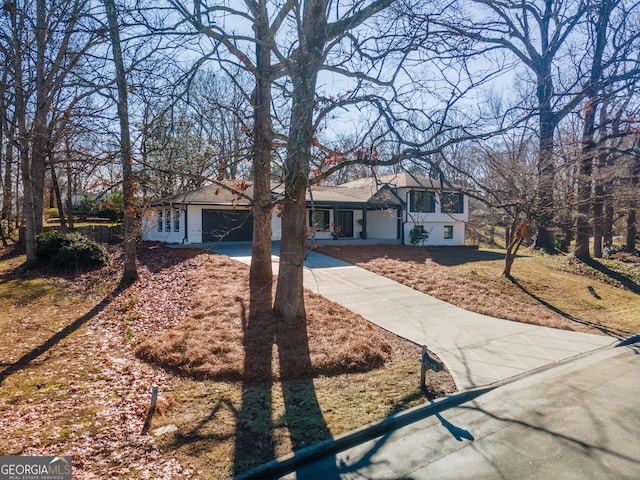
(382, 224)
(156, 231)
(190, 217)
(441, 228)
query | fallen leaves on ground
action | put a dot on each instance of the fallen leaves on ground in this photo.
(87, 394)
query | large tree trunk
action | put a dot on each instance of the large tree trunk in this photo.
(130, 273)
(599, 191)
(305, 64)
(289, 301)
(261, 272)
(585, 181)
(544, 193)
(609, 213)
(632, 226)
(585, 171)
(33, 162)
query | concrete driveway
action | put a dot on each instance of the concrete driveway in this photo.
(477, 349)
(577, 420)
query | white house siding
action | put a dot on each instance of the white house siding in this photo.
(194, 235)
(357, 227)
(436, 232)
(194, 212)
(382, 224)
(150, 226)
(434, 223)
(276, 226)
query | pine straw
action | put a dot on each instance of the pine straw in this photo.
(211, 342)
(415, 267)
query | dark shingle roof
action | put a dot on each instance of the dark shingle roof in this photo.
(372, 190)
(229, 193)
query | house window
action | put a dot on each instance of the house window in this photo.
(167, 220)
(319, 220)
(448, 232)
(176, 220)
(452, 202)
(422, 201)
(160, 220)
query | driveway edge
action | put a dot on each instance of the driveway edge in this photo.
(287, 464)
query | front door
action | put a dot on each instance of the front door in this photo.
(344, 223)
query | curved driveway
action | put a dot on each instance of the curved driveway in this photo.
(477, 349)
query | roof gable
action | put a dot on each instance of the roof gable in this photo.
(372, 190)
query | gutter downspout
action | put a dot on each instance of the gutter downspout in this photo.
(186, 225)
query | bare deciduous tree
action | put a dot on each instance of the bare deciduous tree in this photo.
(130, 273)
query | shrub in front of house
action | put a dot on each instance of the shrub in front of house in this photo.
(70, 250)
(417, 235)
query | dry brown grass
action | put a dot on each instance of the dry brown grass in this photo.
(88, 394)
(545, 291)
(211, 341)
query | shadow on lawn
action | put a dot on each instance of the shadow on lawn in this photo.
(303, 417)
(446, 256)
(452, 256)
(614, 332)
(28, 357)
(624, 280)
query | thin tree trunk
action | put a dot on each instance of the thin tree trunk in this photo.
(517, 232)
(130, 273)
(7, 186)
(4, 199)
(58, 195)
(632, 229)
(69, 183)
(632, 226)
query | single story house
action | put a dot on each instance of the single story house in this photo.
(385, 208)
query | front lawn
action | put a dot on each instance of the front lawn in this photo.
(73, 381)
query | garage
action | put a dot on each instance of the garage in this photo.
(227, 225)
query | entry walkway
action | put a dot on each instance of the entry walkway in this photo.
(477, 349)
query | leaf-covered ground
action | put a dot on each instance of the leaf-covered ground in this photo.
(71, 383)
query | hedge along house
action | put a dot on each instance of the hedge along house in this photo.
(384, 209)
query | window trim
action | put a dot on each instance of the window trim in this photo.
(176, 220)
(448, 232)
(431, 208)
(326, 219)
(167, 220)
(447, 202)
